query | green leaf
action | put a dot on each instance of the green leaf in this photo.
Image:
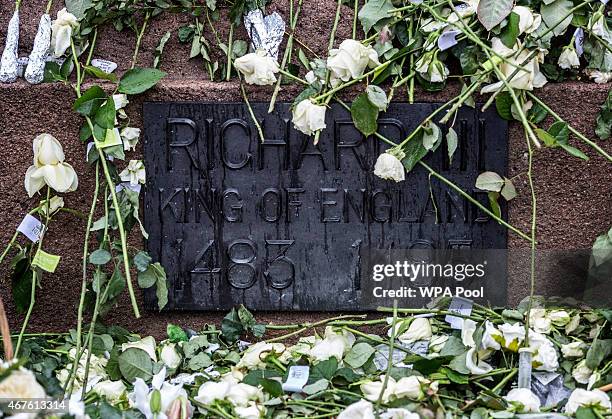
(139, 80)
(161, 292)
(503, 103)
(452, 140)
(99, 257)
(489, 181)
(199, 362)
(160, 49)
(414, 152)
(135, 363)
(146, 279)
(99, 74)
(193, 346)
(364, 114)
(585, 413)
(377, 97)
(574, 151)
(455, 377)
(324, 369)
(508, 191)
(78, 7)
(359, 354)
(316, 387)
(105, 115)
(432, 135)
(176, 333)
(142, 260)
(493, 201)
(545, 137)
(453, 347)
(90, 101)
(559, 131)
(21, 280)
(598, 351)
(537, 113)
(492, 12)
(373, 12)
(511, 30)
(458, 364)
(272, 387)
(553, 15)
(604, 119)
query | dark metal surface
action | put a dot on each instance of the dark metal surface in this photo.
(281, 225)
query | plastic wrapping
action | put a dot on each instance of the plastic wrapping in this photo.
(8, 63)
(35, 70)
(265, 32)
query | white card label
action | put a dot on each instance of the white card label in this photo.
(448, 39)
(460, 306)
(297, 378)
(579, 41)
(31, 227)
(104, 65)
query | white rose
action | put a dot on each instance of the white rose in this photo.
(390, 167)
(600, 77)
(559, 317)
(308, 117)
(539, 321)
(120, 101)
(513, 334)
(410, 387)
(594, 398)
(212, 391)
(597, 25)
(467, 332)
(47, 150)
(437, 343)
(130, 137)
(134, 173)
(528, 21)
(573, 350)
(474, 361)
(21, 384)
(252, 411)
(545, 356)
(255, 354)
(362, 409)
(399, 413)
(240, 394)
(523, 400)
(112, 390)
(257, 68)
(170, 356)
(61, 32)
(527, 78)
(333, 344)
(372, 389)
(419, 329)
(568, 58)
(350, 59)
(430, 68)
(581, 372)
(491, 337)
(147, 344)
(61, 177)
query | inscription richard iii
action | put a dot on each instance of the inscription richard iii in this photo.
(282, 224)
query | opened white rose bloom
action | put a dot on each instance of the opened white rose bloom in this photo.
(399, 413)
(309, 117)
(539, 321)
(410, 387)
(21, 384)
(112, 390)
(212, 391)
(254, 356)
(389, 166)
(559, 317)
(49, 167)
(130, 137)
(134, 173)
(240, 394)
(120, 100)
(474, 361)
(257, 68)
(362, 409)
(528, 21)
(251, 411)
(351, 59)
(419, 329)
(545, 356)
(523, 400)
(371, 390)
(334, 344)
(467, 332)
(527, 78)
(573, 350)
(491, 338)
(170, 356)
(61, 32)
(583, 398)
(513, 334)
(581, 372)
(430, 68)
(146, 344)
(569, 58)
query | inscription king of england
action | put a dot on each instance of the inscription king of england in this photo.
(284, 224)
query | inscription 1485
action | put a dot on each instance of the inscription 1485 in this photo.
(283, 224)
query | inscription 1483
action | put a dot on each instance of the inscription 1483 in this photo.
(283, 224)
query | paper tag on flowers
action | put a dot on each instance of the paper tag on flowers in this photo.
(31, 227)
(579, 41)
(297, 378)
(448, 39)
(460, 306)
(111, 138)
(104, 65)
(45, 261)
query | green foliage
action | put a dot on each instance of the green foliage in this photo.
(604, 119)
(373, 12)
(135, 363)
(492, 12)
(238, 322)
(139, 80)
(364, 114)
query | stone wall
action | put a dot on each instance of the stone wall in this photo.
(574, 197)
